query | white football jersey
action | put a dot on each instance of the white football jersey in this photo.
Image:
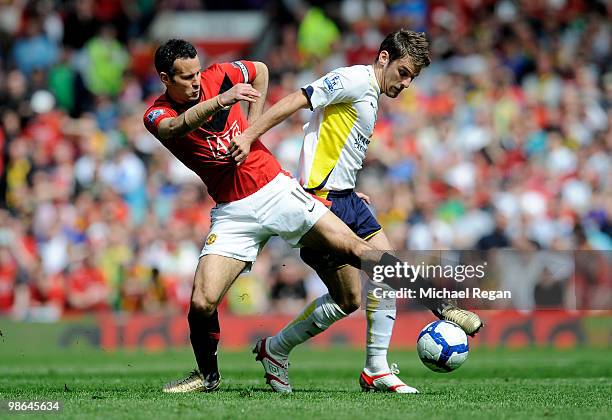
(345, 105)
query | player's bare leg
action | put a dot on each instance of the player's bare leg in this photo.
(214, 276)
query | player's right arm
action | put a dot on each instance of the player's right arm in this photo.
(177, 126)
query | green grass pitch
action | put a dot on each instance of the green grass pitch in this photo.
(533, 383)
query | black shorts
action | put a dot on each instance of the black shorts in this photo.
(353, 211)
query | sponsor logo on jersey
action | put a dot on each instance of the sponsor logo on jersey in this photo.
(333, 83)
(219, 143)
(211, 239)
(152, 116)
(361, 143)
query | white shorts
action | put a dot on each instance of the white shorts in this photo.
(241, 228)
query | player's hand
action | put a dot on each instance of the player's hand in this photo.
(239, 149)
(364, 197)
(239, 92)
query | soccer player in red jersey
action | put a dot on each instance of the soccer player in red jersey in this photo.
(196, 120)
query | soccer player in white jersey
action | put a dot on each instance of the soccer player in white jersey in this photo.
(344, 104)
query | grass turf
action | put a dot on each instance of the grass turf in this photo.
(533, 383)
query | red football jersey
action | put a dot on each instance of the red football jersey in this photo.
(205, 150)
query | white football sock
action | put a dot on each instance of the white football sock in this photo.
(380, 315)
(314, 319)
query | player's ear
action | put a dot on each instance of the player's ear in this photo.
(165, 78)
(383, 57)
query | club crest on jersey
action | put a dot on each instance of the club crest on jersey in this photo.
(211, 239)
(152, 116)
(219, 144)
(333, 83)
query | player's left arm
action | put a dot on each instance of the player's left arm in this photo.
(259, 83)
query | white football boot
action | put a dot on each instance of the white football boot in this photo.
(195, 382)
(276, 368)
(384, 382)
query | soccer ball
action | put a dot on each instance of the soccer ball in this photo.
(442, 346)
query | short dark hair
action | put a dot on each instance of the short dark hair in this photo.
(167, 53)
(403, 42)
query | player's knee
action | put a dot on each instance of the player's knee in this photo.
(359, 248)
(202, 306)
(350, 246)
(349, 302)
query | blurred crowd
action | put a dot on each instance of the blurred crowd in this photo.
(503, 141)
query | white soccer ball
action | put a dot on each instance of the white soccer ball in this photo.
(442, 346)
